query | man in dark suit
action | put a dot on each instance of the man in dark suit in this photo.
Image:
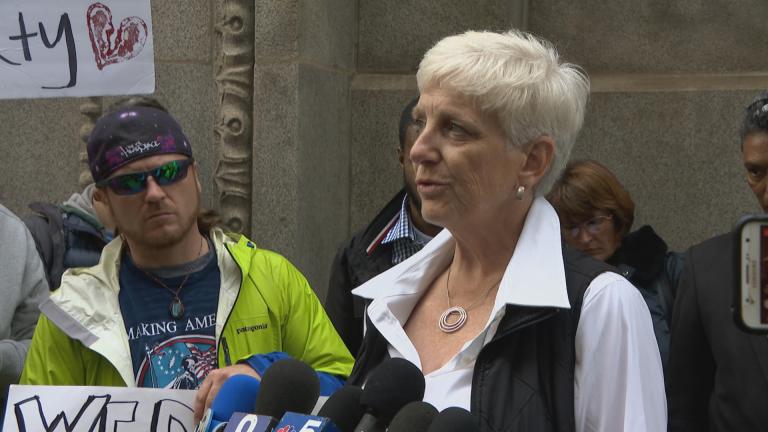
(718, 375)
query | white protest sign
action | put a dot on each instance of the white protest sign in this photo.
(106, 409)
(55, 48)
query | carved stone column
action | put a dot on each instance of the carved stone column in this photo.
(91, 109)
(234, 117)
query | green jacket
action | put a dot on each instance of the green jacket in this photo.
(265, 305)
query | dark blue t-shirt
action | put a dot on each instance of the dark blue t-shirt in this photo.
(169, 353)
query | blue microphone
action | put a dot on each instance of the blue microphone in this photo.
(237, 393)
(245, 422)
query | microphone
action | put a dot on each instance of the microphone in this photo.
(454, 419)
(237, 393)
(287, 385)
(414, 417)
(343, 408)
(340, 413)
(392, 385)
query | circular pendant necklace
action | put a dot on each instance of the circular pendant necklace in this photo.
(176, 307)
(455, 317)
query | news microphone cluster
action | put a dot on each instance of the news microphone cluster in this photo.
(283, 400)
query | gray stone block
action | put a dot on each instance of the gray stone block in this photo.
(275, 158)
(323, 177)
(678, 154)
(328, 32)
(301, 165)
(656, 36)
(394, 34)
(277, 29)
(376, 174)
(40, 151)
(182, 30)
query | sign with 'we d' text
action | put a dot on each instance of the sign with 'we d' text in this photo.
(98, 409)
(55, 48)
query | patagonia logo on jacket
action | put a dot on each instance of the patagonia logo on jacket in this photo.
(252, 328)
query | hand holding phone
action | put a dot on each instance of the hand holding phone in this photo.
(750, 298)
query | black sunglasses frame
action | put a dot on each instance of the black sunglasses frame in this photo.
(184, 165)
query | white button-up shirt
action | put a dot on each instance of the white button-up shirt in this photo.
(619, 383)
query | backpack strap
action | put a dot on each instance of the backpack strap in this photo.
(47, 228)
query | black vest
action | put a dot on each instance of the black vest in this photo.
(523, 378)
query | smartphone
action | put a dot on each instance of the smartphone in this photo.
(751, 294)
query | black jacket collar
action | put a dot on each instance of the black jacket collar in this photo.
(641, 255)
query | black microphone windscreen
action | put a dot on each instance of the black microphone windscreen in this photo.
(454, 419)
(414, 417)
(343, 408)
(393, 384)
(287, 385)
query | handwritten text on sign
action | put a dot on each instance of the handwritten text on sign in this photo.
(53, 48)
(108, 409)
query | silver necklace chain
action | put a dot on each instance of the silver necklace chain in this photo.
(455, 317)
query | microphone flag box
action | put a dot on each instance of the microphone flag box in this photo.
(75, 408)
(294, 422)
(246, 422)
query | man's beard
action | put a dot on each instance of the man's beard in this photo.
(163, 239)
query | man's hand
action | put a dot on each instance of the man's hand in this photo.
(210, 388)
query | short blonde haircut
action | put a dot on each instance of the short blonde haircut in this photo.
(518, 78)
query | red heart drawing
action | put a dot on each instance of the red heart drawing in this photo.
(128, 43)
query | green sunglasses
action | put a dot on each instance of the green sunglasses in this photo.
(133, 183)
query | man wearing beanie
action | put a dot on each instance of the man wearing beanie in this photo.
(171, 304)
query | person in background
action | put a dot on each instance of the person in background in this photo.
(396, 233)
(22, 288)
(717, 378)
(498, 315)
(70, 234)
(171, 291)
(596, 215)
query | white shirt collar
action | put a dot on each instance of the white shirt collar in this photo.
(535, 275)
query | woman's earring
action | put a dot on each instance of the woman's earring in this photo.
(520, 194)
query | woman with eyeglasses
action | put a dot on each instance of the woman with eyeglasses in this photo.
(596, 214)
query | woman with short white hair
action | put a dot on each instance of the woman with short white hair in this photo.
(501, 317)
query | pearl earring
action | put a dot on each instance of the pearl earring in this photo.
(520, 192)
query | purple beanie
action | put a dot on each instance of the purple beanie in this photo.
(133, 133)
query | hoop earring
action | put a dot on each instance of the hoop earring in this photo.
(520, 194)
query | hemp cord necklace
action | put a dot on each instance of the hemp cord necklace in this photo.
(176, 307)
(461, 314)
